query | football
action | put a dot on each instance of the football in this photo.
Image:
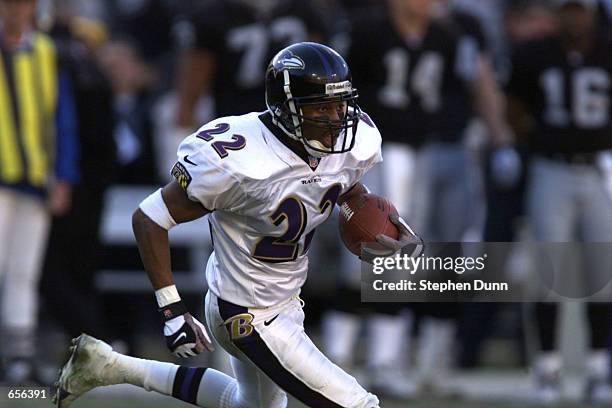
(362, 218)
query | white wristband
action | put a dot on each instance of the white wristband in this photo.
(155, 208)
(166, 296)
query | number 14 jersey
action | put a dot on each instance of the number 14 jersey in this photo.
(266, 202)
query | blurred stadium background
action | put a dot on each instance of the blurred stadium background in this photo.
(142, 81)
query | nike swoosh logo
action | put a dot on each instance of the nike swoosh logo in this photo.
(180, 336)
(188, 161)
(269, 322)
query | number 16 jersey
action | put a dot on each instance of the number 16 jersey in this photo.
(266, 202)
(568, 94)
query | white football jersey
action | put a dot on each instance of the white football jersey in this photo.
(266, 203)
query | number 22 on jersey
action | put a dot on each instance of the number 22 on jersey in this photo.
(286, 247)
(222, 146)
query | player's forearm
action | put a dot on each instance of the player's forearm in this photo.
(195, 75)
(519, 117)
(154, 248)
(490, 103)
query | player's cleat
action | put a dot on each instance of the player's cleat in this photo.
(90, 365)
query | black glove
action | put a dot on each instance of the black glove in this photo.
(185, 335)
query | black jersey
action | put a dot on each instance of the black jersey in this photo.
(243, 42)
(457, 107)
(567, 93)
(401, 84)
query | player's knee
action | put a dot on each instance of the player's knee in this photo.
(21, 281)
(278, 400)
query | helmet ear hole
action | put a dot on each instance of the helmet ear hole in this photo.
(311, 73)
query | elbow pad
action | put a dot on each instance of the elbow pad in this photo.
(155, 208)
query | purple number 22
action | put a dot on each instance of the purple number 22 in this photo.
(274, 249)
(222, 146)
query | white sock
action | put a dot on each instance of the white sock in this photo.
(148, 374)
(598, 364)
(339, 336)
(435, 347)
(204, 387)
(387, 337)
(548, 363)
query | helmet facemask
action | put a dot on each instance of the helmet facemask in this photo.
(289, 116)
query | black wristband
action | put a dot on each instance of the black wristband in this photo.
(172, 310)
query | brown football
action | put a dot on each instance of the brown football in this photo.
(362, 218)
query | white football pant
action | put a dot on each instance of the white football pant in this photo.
(271, 353)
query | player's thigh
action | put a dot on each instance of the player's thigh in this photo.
(460, 196)
(550, 208)
(28, 238)
(276, 343)
(8, 203)
(398, 175)
(596, 214)
(596, 230)
(216, 327)
(423, 188)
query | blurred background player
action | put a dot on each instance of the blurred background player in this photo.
(559, 92)
(504, 181)
(38, 165)
(73, 251)
(404, 64)
(226, 46)
(133, 88)
(452, 207)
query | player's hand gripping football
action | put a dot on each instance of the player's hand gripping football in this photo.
(185, 335)
(407, 241)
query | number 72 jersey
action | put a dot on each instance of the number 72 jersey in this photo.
(242, 38)
(266, 202)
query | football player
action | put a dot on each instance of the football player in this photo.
(404, 62)
(562, 86)
(267, 180)
(452, 178)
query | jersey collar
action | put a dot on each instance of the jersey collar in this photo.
(282, 146)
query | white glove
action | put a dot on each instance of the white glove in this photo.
(186, 336)
(505, 166)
